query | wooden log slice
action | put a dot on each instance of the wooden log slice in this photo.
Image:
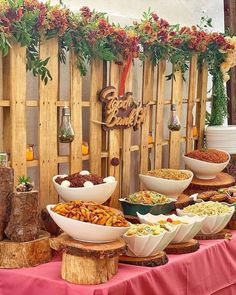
(96, 250)
(224, 234)
(156, 260)
(25, 254)
(88, 263)
(232, 224)
(132, 219)
(183, 248)
(222, 180)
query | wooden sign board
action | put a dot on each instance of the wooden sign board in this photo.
(121, 112)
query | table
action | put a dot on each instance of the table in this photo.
(210, 270)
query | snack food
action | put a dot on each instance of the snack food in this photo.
(172, 174)
(91, 212)
(145, 229)
(207, 208)
(205, 196)
(209, 155)
(147, 197)
(171, 221)
(183, 201)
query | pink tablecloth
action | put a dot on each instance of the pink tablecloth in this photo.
(210, 270)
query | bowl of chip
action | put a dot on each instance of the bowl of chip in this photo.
(88, 231)
(84, 186)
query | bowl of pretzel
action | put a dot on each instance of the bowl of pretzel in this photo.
(89, 221)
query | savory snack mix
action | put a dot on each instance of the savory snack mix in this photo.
(207, 208)
(147, 197)
(172, 174)
(91, 212)
(209, 155)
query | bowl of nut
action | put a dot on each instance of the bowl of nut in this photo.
(170, 182)
(89, 221)
(84, 186)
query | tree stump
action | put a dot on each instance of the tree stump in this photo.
(23, 225)
(88, 263)
(183, 248)
(6, 192)
(224, 234)
(25, 254)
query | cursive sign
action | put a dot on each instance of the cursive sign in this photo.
(121, 112)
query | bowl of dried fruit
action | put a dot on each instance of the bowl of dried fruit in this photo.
(206, 163)
(187, 227)
(170, 182)
(84, 186)
(89, 221)
(147, 202)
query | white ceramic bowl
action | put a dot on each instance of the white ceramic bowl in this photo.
(149, 245)
(99, 193)
(185, 232)
(85, 231)
(212, 224)
(170, 188)
(205, 170)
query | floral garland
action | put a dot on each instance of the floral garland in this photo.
(90, 35)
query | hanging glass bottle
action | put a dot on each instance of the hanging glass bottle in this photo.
(174, 123)
(65, 132)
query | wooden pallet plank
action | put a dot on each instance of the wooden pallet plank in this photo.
(126, 145)
(114, 141)
(95, 131)
(146, 98)
(176, 98)
(201, 107)
(159, 114)
(76, 115)
(1, 97)
(15, 117)
(48, 151)
(192, 86)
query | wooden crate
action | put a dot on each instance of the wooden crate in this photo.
(103, 146)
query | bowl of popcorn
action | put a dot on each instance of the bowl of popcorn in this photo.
(216, 215)
(84, 186)
(89, 221)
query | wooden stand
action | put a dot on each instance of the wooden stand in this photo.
(88, 263)
(201, 185)
(156, 260)
(224, 234)
(232, 222)
(25, 254)
(183, 248)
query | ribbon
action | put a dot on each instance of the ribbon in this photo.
(124, 75)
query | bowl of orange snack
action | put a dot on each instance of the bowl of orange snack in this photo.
(89, 221)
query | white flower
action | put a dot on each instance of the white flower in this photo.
(65, 183)
(88, 184)
(84, 172)
(109, 179)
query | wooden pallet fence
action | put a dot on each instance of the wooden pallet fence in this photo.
(103, 146)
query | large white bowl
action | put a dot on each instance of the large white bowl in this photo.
(212, 224)
(85, 231)
(168, 187)
(149, 245)
(205, 170)
(185, 232)
(99, 193)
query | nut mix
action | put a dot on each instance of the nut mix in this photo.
(91, 212)
(173, 174)
(209, 155)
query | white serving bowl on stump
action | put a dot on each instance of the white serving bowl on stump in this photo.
(85, 231)
(98, 193)
(148, 245)
(205, 170)
(169, 187)
(211, 224)
(184, 232)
